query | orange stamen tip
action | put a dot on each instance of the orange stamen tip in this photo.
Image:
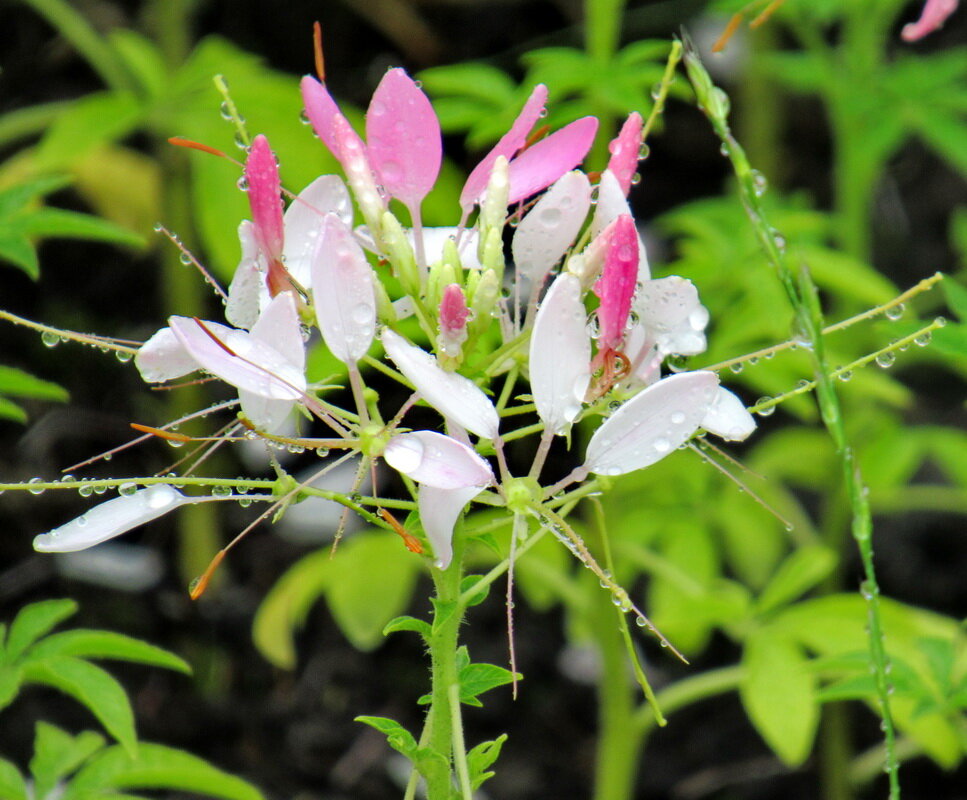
(171, 436)
(181, 141)
(409, 540)
(317, 51)
(728, 33)
(200, 584)
(767, 12)
(536, 136)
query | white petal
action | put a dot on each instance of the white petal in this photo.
(728, 417)
(451, 394)
(344, 297)
(612, 203)
(247, 292)
(651, 424)
(436, 460)
(112, 518)
(435, 238)
(278, 327)
(548, 230)
(439, 510)
(266, 414)
(303, 222)
(671, 315)
(560, 355)
(163, 358)
(247, 363)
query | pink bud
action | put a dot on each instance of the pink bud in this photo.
(616, 286)
(264, 195)
(453, 311)
(403, 137)
(933, 16)
(323, 112)
(624, 149)
(509, 144)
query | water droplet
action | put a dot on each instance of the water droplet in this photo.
(50, 339)
(128, 488)
(846, 375)
(644, 151)
(124, 356)
(636, 179)
(737, 367)
(767, 411)
(759, 183)
(923, 339)
(543, 113)
(225, 110)
(85, 490)
(894, 312)
(242, 184)
(221, 491)
(725, 150)
(101, 489)
(940, 321)
(661, 445)
(677, 418)
(885, 359)
(38, 490)
(240, 141)
(245, 502)
(184, 258)
(641, 622)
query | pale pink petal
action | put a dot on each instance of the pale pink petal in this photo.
(728, 417)
(247, 292)
(509, 144)
(303, 222)
(278, 327)
(543, 163)
(549, 229)
(112, 518)
(451, 394)
(439, 511)
(611, 205)
(323, 113)
(264, 195)
(163, 358)
(616, 286)
(343, 294)
(560, 355)
(933, 16)
(403, 138)
(436, 460)
(651, 424)
(624, 149)
(240, 359)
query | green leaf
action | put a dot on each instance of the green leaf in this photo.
(371, 584)
(398, 737)
(57, 754)
(406, 623)
(91, 686)
(475, 679)
(34, 621)
(11, 676)
(156, 767)
(12, 784)
(105, 644)
(956, 296)
(91, 121)
(56, 222)
(481, 757)
(18, 196)
(19, 251)
(18, 383)
(468, 583)
(779, 694)
(142, 58)
(11, 411)
(799, 573)
(284, 610)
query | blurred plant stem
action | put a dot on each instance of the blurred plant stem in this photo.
(602, 34)
(182, 290)
(803, 297)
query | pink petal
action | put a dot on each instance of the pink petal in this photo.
(611, 205)
(549, 229)
(264, 195)
(624, 149)
(240, 359)
(344, 296)
(728, 417)
(436, 460)
(509, 144)
(303, 222)
(112, 518)
(453, 311)
(403, 138)
(546, 161)
(451, 394)
(933, 16)
(439, 511)
(616, 286)
(247, 292)
(651, 424)
(323, 113)
(163, 358)
(560, 355)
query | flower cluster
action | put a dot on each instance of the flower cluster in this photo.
(574, 309)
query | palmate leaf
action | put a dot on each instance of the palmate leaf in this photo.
(155, 766)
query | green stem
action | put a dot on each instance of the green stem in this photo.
(93, 47)
(802, 295)
(690, 690)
